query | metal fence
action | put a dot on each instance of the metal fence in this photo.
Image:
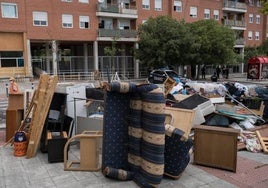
(75, 68)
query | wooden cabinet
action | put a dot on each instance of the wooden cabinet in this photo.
(215, 147)
(14, 114)
(16, 101)
(13, 121)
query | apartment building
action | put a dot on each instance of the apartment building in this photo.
(63, 36)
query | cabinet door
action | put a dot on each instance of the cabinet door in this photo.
(13, 121)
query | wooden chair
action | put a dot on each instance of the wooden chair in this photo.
(89, 155)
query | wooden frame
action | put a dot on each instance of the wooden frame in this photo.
(263, 138)
(169, 84)
(89, 155)
(181, 119)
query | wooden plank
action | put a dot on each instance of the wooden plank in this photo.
(169, 84)
(46, 89)
(263, 140)
(40, 95)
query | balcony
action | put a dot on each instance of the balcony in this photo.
(240, 42)
(122, 35)
(118, 11)
(234, 6)
(108, 8)
(235, 24)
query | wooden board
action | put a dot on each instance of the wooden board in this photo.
(215, 147)
(181, 119)
(263, 138)
(16, 101)
(169, 84)
(43, 97)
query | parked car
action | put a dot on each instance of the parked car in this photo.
(159, 76)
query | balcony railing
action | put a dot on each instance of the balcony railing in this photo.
(117, 33)
(234, 5)
(235, 23)
(108, 8)
(240, 41)
(132, 10)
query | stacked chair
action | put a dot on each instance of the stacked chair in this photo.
(137, 143)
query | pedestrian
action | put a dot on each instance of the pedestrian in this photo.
(203, 71)
(13, 88)
(227, 72)
(214, 77)
(218, 71)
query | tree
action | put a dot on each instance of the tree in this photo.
(263, 49)
(264, 9)
(213, 43)
(250, 52)
(163, 41)
(112, 51)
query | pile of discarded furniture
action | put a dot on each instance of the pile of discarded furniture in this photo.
(146, 131)
(228, 105)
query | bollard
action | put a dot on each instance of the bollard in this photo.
(6, 89)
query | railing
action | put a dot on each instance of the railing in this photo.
(235, 23)
(234, 5)
(73, 67)
(240, 41)
(108, 8)
(126, 33)
(104, 75)
(112, 8)
(131, 10)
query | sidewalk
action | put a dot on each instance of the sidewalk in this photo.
(252, 171)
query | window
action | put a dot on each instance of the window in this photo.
(250, 18)
(144, 21)
(83, 22)
(11, 59)
(193, 12)
(206, 13)
(66, 0)
(83, 1)
(251, 2)
(216, 14)
(40, 18)
(67, 21)
(177, 6)
(9, 10)
(124, 24)
(250, 35)
(257, 35)
(258, 19)
(146, 4)
(258, 3)
(106, 23)
(158, 5)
